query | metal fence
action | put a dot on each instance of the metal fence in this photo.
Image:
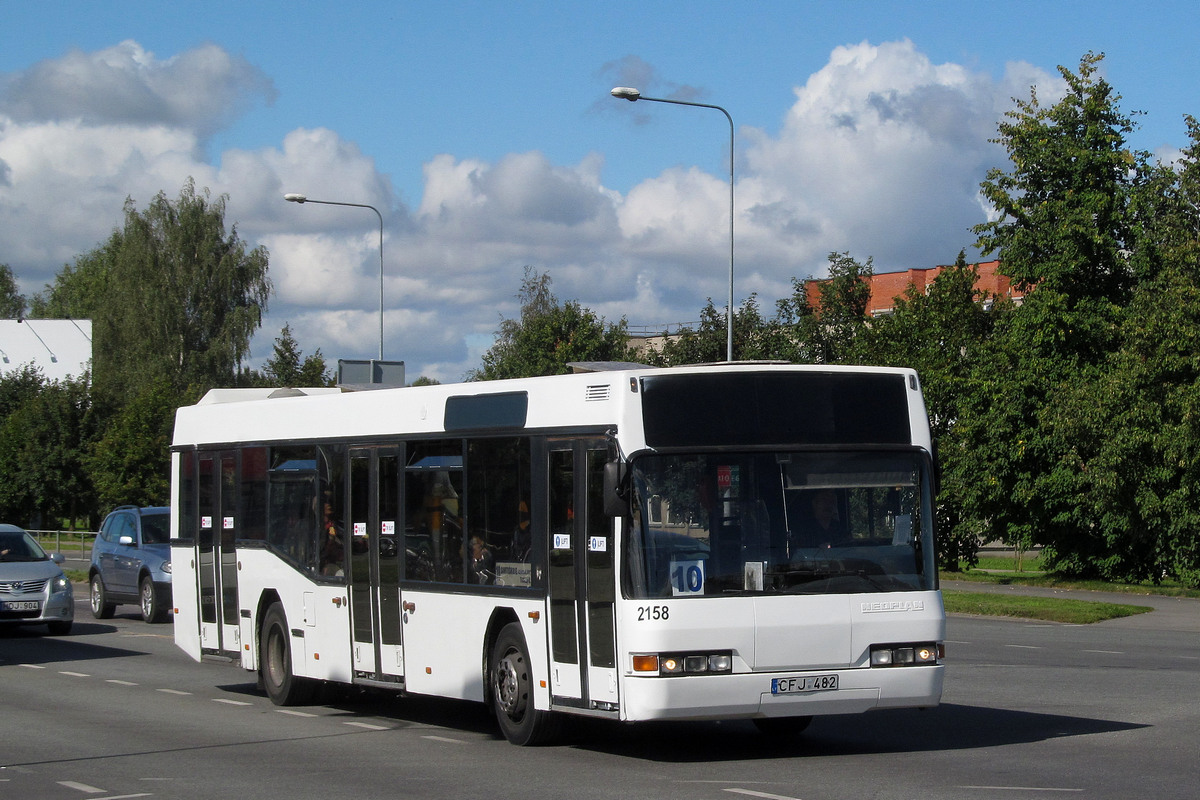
(74, 545)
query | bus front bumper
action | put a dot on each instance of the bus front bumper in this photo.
(749, 695)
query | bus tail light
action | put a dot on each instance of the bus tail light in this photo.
(683, 663)
(906, 655)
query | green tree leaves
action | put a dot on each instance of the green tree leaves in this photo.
(549, 335)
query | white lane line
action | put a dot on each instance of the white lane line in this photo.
(294, 713)
(1107, 652)
(124, 796)
(766, 796)
(31, 666)
(446, 739)
(366, 725)
(81, 787)
(1022, 788)
(121, 683)
(74, 674)
(1023, 646)
(228, 702)
(174, 691)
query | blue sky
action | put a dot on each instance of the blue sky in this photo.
(485, 134)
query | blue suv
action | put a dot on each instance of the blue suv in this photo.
(131, 563)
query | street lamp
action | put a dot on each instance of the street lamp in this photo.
(633, 95)
(299, 198)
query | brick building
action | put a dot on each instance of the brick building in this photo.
(887, 286)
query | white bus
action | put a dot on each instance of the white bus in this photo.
(717, 542)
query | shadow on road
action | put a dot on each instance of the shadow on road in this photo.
(945, 728)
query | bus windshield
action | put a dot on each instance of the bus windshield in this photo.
(797, 522)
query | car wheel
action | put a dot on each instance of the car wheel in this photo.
(275, 662)
(511, 687)
(153, 608)
(101, 608)
(59, 628)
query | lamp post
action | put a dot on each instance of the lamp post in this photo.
(633, 95)
(299, 198)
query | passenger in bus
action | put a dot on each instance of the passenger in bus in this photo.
(333, 544)
(483, 565)
(820, 523)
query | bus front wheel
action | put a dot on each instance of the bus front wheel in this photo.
(275, 662)
(511, 685)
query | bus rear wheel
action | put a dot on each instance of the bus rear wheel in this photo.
(275, 662)
(511, 688)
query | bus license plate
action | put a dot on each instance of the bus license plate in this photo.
(20, 605)
(804, 683)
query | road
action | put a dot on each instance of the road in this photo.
(1030, 710)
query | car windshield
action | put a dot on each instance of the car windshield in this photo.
(780, 522)
(155, 528)
(20, 546)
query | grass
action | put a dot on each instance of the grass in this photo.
(1078, 612)
(1001, 570)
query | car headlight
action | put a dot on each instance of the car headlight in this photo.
(166, 567)
(60, 584)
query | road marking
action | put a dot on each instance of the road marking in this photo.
(120, 683)
(230, 702)
(446, 739)
(295, 713)
(81, 787)
(31, 666)
(752, 793)
(366, 725)
(1021, 788)
(1107, 652)
(1023, 646)
(74, 674)
(173, 691)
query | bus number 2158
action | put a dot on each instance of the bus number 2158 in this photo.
(647, 613)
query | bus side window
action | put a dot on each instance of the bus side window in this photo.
(498, 520)
(433, 522)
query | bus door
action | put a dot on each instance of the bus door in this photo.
(581, 577)
(374, 563)
(216, 555)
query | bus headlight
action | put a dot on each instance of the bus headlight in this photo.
(906, 655)
(682, 663)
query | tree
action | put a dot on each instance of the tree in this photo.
(549, 335)
(127, 464)
(1063, 232)
(12, 302)
(708, 342)
(170, 293)
(289, 367)
(941, 334)
(40, 448)
(826, 329)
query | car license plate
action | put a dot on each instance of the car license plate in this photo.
(20, 605)
(804, 683)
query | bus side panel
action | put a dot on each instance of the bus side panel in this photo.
(444, 643)
(319, 611)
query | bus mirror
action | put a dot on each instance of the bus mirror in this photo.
(616, 498)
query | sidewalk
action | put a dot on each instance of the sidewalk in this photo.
(1170, 613)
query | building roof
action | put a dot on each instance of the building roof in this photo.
(60, 348)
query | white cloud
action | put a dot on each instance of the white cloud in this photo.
(880, 154)
(199, 90)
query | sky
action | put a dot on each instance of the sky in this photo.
(485, 135)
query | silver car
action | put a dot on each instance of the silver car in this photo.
(131, 563)
(33, 588)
